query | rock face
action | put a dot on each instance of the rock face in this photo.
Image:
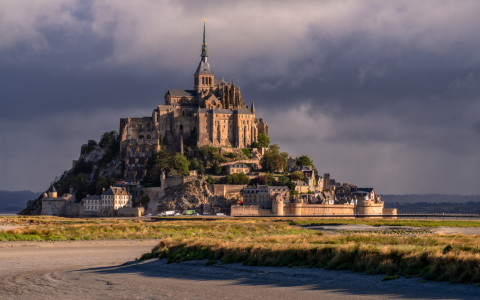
(191, 195)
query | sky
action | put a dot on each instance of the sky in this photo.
(382, 94)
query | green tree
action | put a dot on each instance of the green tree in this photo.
(194, 165)
(180, 163)
(216, 168)
(304, 161)
(283, 180)
(275, 149)
(255, 144)
(92, 143)
(291, 185)
(108, 138)
(82, 166)
(285, 155)
(263, 140)
(272, 162)
(297, 175)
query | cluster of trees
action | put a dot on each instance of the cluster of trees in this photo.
(79, 177)
(162, 161)
(237, 179)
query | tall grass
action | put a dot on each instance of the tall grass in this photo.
(277, 242)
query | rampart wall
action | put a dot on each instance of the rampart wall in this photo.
(249, 210)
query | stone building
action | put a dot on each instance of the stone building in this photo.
(266, 201)
(111, 200)
(301, 186)
(53, 205)
(262, 195)
(212, 113)
(237, 168)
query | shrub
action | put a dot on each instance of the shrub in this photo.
(247, 153)
(230, 155)
(297, 175)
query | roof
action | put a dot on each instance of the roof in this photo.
(278, 188)
(238, 166)
(217, 81)
(93, 197)
(300, 183)
(225, 111)
(52, 189)
(369, 190)
(115, 191)
(204, 67)
(182, 93)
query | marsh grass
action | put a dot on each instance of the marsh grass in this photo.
(275, 242)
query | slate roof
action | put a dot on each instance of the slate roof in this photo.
(225, 111)
(52, 189)
(93, 197)
(300, 183)
(182, 93)
(115, 191)
(217, 81)
(238, 166)
(204, 67)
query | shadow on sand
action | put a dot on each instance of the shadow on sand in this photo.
(343, 282)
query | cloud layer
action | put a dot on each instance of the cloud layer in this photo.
(383, 94)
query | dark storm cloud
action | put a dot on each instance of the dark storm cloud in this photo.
(383, 94)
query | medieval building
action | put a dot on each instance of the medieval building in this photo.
(213, 113)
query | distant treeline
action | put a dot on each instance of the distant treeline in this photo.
(430, 198)
(15, 201)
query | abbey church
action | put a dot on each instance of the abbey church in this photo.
(213, 113)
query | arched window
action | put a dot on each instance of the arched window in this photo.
(141, 137)
(210, 80)
(203, 80)
(183, 113)
(149, 137)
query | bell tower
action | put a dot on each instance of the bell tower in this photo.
(203, 78)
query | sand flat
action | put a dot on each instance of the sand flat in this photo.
(108, 270)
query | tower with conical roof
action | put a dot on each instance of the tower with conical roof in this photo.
(203, 77)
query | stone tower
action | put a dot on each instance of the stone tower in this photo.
(52, 193)
(203, 77)
(277, 205)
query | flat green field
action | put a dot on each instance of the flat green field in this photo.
(279, 242)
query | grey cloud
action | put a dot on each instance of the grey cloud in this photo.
(375, 91)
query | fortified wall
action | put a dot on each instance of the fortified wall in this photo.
(279, 208)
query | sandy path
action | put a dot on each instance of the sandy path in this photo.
(106, 270)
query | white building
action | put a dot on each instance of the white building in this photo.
(110, 200)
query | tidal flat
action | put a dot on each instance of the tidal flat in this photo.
(277, 242)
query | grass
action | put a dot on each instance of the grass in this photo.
(277, 242)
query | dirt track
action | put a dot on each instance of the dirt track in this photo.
(107, 270)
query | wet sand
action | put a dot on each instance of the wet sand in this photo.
(107, 270)
(362, 227)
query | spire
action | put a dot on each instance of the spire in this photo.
(204, 66)
(204, 45)
(253, 108)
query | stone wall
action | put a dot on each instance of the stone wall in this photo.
(390, 211)
(369, 207)
(153, 192)
(249, 210)
(224, 189)
(73, 210)
(130, 212)
(318, 209)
